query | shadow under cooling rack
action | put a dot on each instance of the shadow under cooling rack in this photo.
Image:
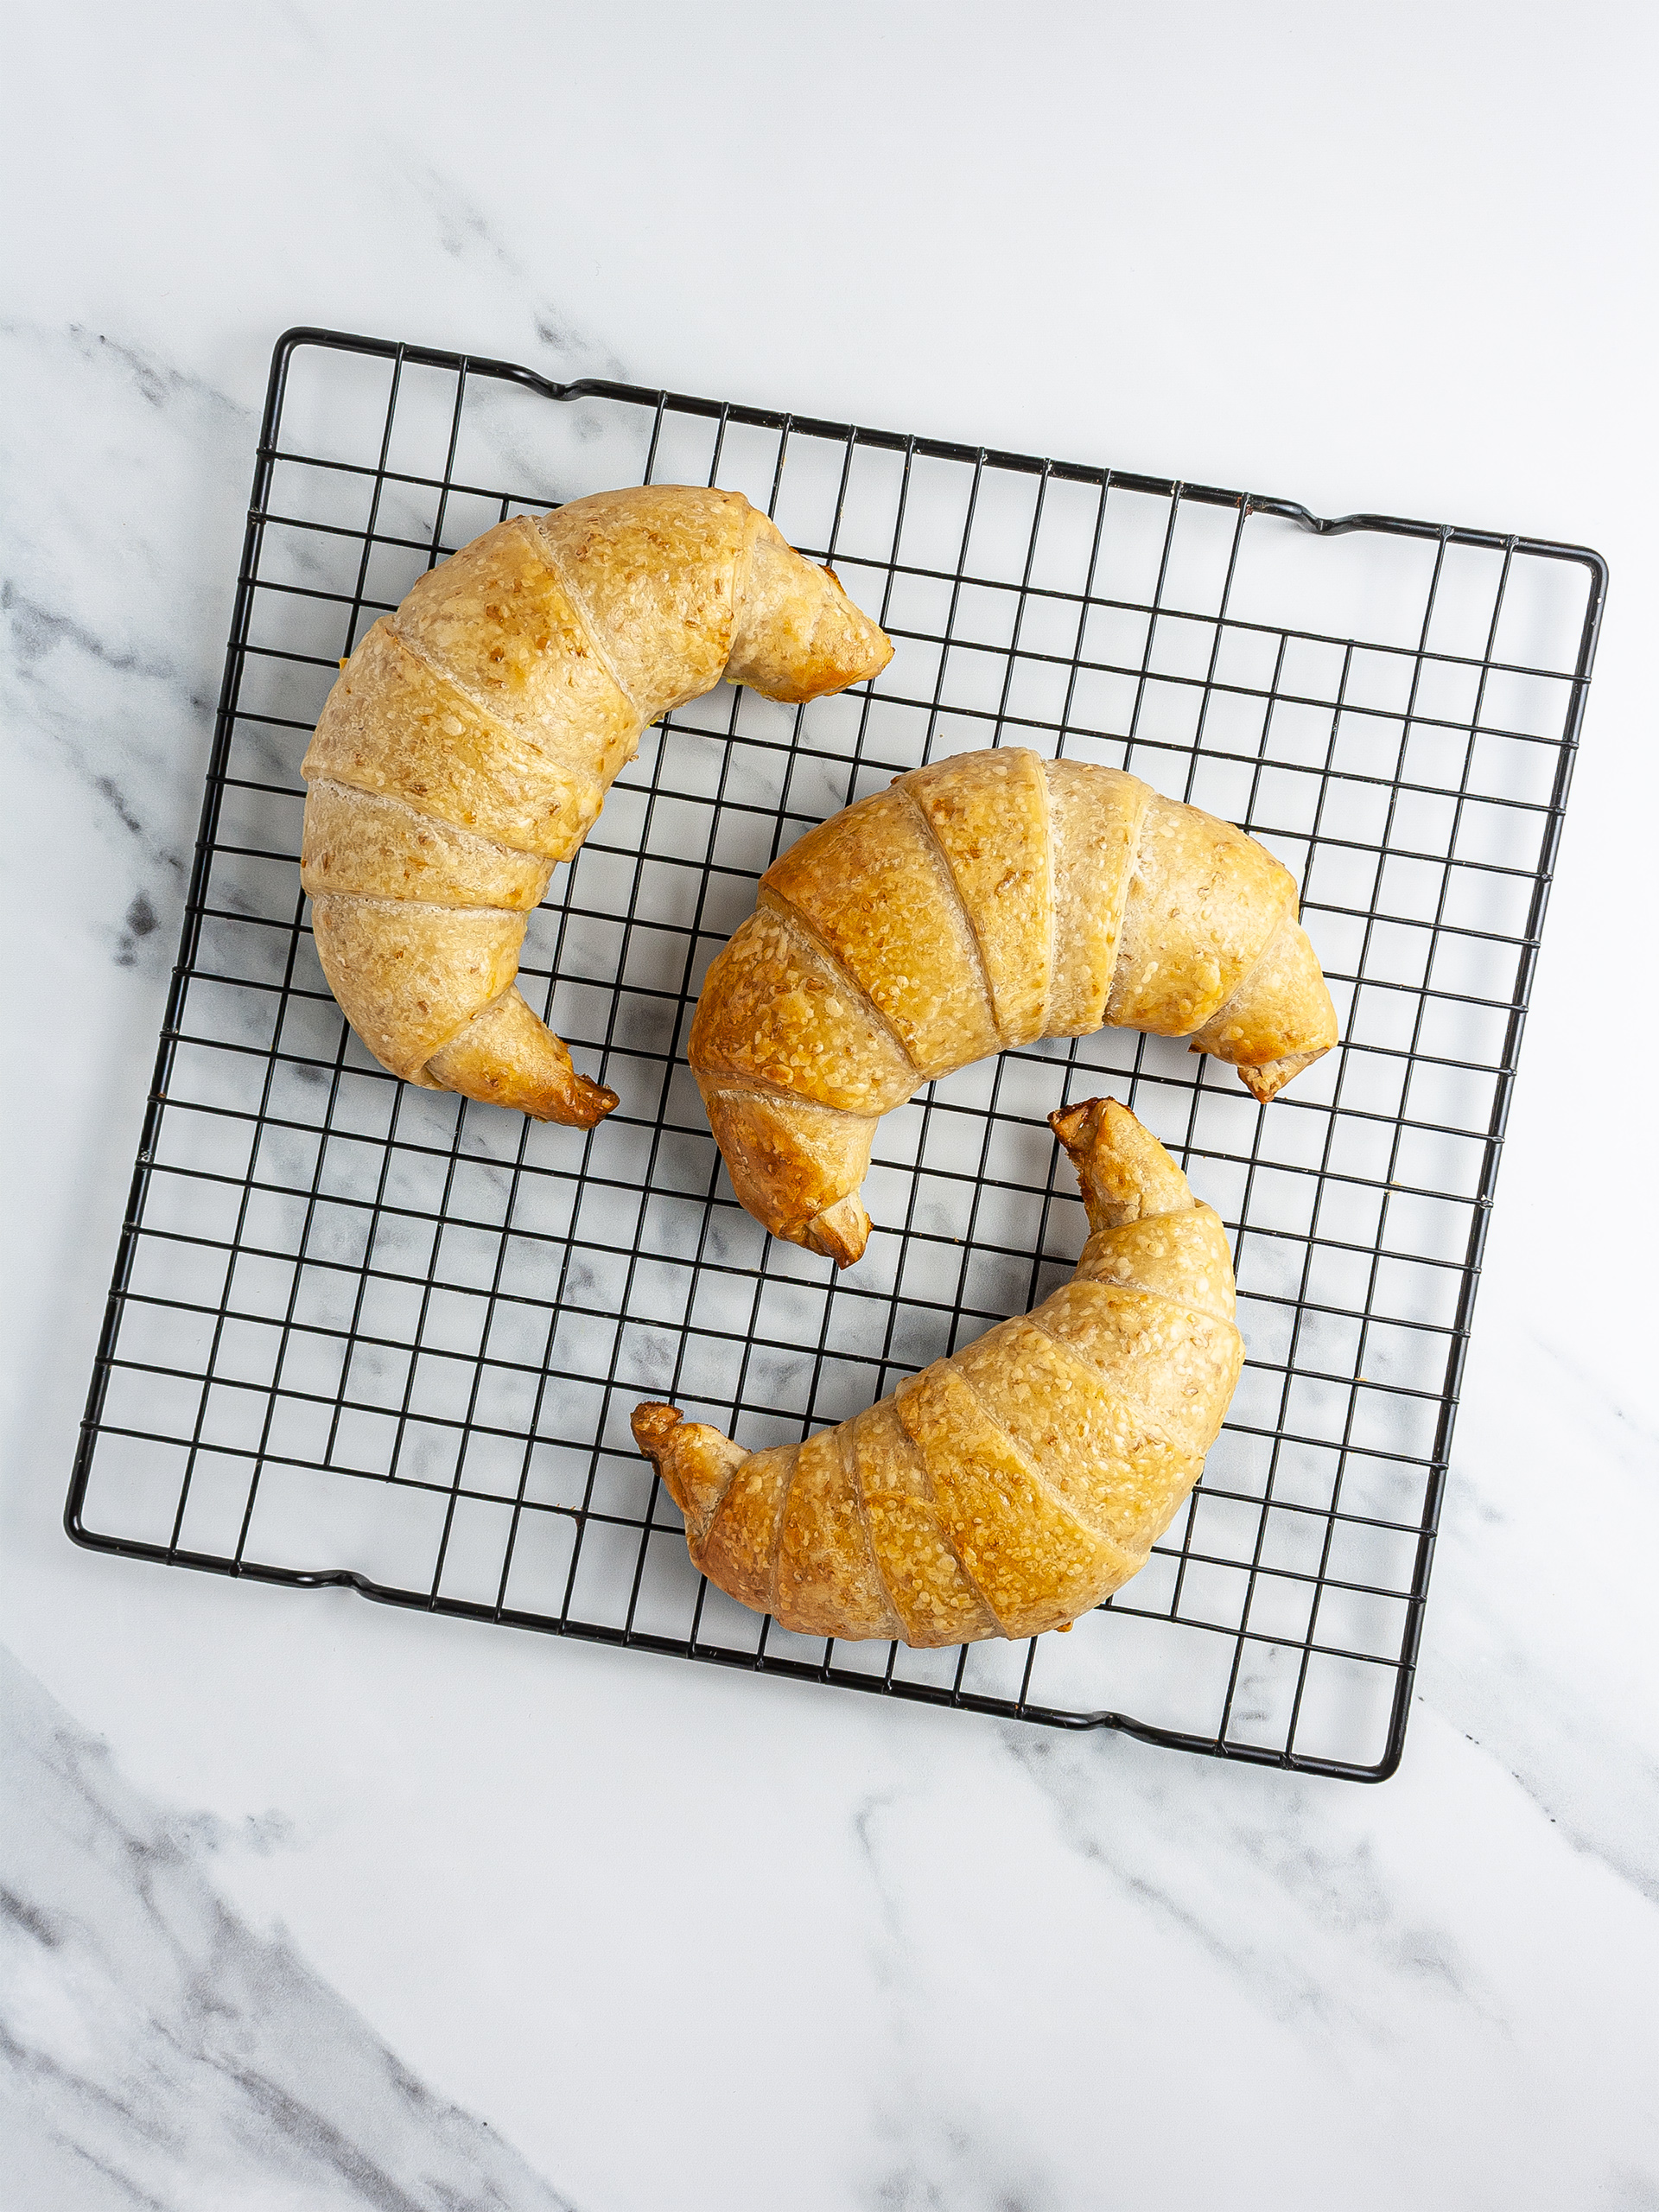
(366, 1334)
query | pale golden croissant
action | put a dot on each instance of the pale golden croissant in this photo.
(1009, 1489)
(981, 903)
(472, 737)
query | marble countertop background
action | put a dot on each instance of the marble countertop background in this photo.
(304, 1903)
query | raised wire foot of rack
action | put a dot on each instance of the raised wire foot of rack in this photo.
(363, 1333)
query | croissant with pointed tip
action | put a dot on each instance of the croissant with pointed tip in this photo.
(467, 747)
(1010, 1488)
(980, 903)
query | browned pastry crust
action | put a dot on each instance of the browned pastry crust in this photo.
(980, 903)
(472, 737)
(1009, 1489)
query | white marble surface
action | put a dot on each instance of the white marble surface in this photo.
(362, 1908)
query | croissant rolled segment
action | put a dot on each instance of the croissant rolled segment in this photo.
(1013, 1487)
(470, 740)
(978, 904)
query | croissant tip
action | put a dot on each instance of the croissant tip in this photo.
(1066, 1122)
(586, 1107)
(1265, 1081)
(841, 1231)
(652, 1425)
(1070, 1123)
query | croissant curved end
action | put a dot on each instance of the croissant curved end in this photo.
(1279, 1020)
(799, 635)
(652, 1425)
(506, 1055)
(1069, 1122)
(841, 1231)
(1124, 1173)
(1266, 1082)
(696, 1461)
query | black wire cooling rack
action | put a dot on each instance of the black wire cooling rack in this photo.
(363, 1333)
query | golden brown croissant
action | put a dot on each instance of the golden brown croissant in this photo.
(1009, 1489)
(473, 736)
(980, 903)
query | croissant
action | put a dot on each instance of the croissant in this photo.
(1007, 1489)
(471, 738)
(980, 903)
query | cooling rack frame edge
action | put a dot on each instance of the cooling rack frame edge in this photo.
(266, 455)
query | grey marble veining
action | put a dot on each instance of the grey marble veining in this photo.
(109, 623)
(1545, 1656)
(157, 2051)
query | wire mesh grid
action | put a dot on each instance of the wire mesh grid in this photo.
(363, 1333)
